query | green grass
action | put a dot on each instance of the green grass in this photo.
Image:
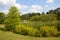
(5, 35)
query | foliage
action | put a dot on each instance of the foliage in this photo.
(58, 25)
(2, 17)
(41, 25)
(50, 12)
(28, 16)
(35, 18)
(44, 17)
(48, 31)
(38, 24)
(12, 18)
(21, 29)
(58, 35)
(56, 11)
(25, 30)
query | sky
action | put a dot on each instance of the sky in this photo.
(29, 6)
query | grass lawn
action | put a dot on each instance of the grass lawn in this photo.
(5, 35)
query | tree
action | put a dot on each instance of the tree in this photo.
(57, 12)
(12, 19)
(2, 17)
(28, 16)
(44, 17)
(43, 13)
(50, 12)
(35, 18)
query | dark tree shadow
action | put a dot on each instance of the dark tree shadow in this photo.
(3, 29)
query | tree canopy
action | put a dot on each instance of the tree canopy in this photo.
(13, 18)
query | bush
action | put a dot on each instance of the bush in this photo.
(9, 27)
(38, 24)
(32, 31)
(21, 29)
(58, 25)
(25, 30)
(48, 31)
(58, 35)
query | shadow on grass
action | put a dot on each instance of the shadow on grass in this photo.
(3, 29)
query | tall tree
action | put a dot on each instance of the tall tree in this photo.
(12, 19)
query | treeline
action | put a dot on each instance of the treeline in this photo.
(49, 25)
(51, 15)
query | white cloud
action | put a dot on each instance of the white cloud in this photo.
(50, 1)
(7, 1)
(4, 11)
(35, 8)
(19, 6)
(5, 5)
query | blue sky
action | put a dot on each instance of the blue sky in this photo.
(26, 6)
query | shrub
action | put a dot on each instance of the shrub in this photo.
(38, 24)
(26, 30)
(48, 31)
(18, 29)
(32, 31)
(21, 29)
(58, 35)
(58, 25)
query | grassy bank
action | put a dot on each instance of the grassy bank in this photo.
(5, 35)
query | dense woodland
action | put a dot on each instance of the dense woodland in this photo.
(37, 24)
